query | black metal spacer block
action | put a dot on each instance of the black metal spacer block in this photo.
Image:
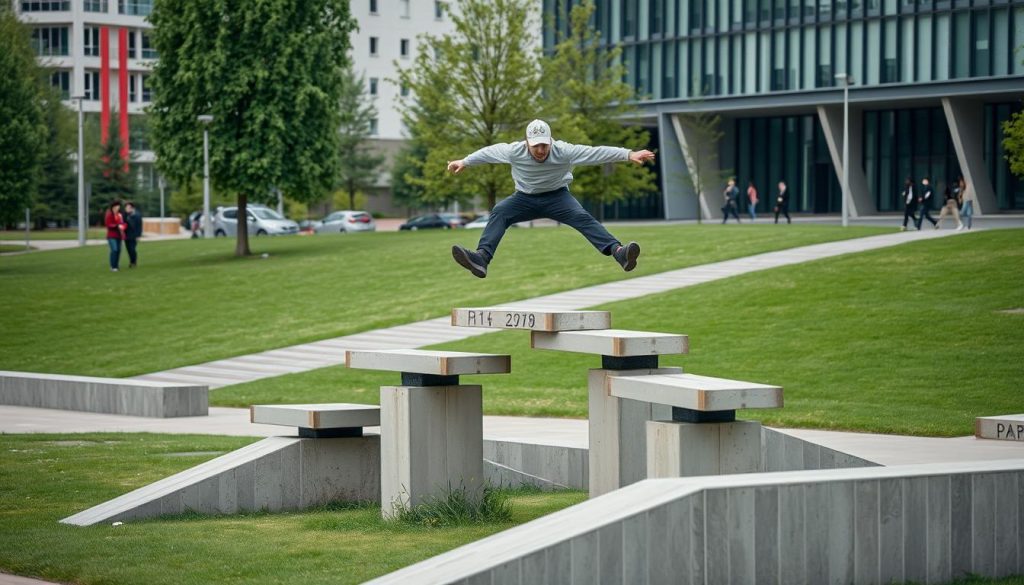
(414, 379)
(699, 416)
(308, 433)
(633, 362)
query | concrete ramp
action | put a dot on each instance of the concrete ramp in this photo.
(277, 473)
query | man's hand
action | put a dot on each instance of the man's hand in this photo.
(641, 156)
(456, 166)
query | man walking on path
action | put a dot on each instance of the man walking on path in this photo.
(132, 233)
(924, 201)
(542, 171)
(732, 195)
(909, 205)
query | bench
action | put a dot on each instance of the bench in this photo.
(104, 395)
(318, 420)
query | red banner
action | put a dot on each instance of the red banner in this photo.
(122, 85)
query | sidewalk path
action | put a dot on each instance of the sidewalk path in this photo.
(331, 352)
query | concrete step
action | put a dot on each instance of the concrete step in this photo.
(612, 342)
(316, 416)
(531, 319)
(437, 363)
(700, 393)
(1006, 427)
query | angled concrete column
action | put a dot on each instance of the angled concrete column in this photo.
(966, 118)
(831, 118)
(697, 155)
(677, 192)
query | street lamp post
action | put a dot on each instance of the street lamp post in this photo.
(163, 185)
(82, 211)
(207, 228)
(847, 81)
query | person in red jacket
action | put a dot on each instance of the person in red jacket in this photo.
(115, 232)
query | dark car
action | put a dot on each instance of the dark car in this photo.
(444, 221)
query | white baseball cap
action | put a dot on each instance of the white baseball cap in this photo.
(538, 132)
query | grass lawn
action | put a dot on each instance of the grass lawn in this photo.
(191, 301)
(913, 339)
(54, 234)
(13, 248)
(44, 478)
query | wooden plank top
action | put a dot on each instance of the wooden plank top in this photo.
(612, 342)
(316, 416)
(701, 393)
(438, 363)
(534, 319)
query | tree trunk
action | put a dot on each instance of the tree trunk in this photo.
(351, 197)
(242, 242)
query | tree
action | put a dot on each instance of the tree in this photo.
(702, 132)
(588, 102)
(407, 174)
(474, 87)
(270, 72)
(22, 119)
(111, 176)
(1013, 143)
(57, 196)
(359, 166)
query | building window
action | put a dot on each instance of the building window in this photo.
(373, 85)
(91, 41)
(439, 8)
(373, 6)
(132, 45)
(373, 126)
(404, 90)
(133, 83)
(404, 47)
(50, 41)
(373, 46)
(147, 89)
(135, 7)
(92, 85)
(62, 81)
(95, 5)
(404, 7)
(46, 6)
(148, 52)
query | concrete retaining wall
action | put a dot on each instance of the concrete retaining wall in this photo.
(783, 452)
(922, 523)
(510, 463)
(277, 473)
(106, 395)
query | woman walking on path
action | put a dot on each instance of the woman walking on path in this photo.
(966, 198)
(910, 202)
(782, 203)
(115, 232)
(542, 171)
(752, 198)
(949, 205)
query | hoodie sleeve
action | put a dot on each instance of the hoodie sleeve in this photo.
(580, 154)
(494, 154)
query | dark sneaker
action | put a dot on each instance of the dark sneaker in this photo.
(471, 261)
(626, 255)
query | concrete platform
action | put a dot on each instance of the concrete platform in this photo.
(531, 319)
(1007, 427)
(702, 393)
(435, 363)
(612, 342)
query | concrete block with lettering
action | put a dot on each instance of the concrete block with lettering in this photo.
(535, 319)
(681, 449)
(1008, 427)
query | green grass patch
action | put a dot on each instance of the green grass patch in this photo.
(915, 339)
(460, 506)
(53, 234)
(14, 248)
(44, 478)
(191, 301)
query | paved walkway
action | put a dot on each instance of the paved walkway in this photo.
(331, 352)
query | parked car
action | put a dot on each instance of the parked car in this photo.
(263, 221)
(341, 222)
(308, 226)
(481, 222)
(445, 221)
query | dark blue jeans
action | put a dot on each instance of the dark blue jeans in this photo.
(115, 251)
(130, 245)
(558, 205)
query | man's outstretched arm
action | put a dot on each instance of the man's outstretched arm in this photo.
(494, 154)
(597, 155)
(641, 156)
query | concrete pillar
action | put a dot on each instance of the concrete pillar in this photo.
(966, 118)
(831, 118)
(618, 443)
(697, 154)
(682, 449)
(678, 196)
(431, 442)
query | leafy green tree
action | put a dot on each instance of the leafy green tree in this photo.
(270, 72)
(359, 164)
(474, 87)
(703, 128)
(1013, 143)
(112, 178)
(22, 119)
(587, 102)
(57, 194)
(407, 174)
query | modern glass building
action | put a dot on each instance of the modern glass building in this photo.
(932, 82)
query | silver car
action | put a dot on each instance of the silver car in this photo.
(341, 222)
(263, 221)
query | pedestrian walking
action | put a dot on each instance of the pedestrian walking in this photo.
(782, 203)
(949, 206)
(115, 232)
(132, 233)
(752, 200)
(909, 203)
(542, 170)
(732, 196)
(924, 202)
(966, 198)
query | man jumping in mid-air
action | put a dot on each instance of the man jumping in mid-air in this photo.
(542, 171)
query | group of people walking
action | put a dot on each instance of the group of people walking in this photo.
(732, 196)
(958, 201)
(123, 227)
